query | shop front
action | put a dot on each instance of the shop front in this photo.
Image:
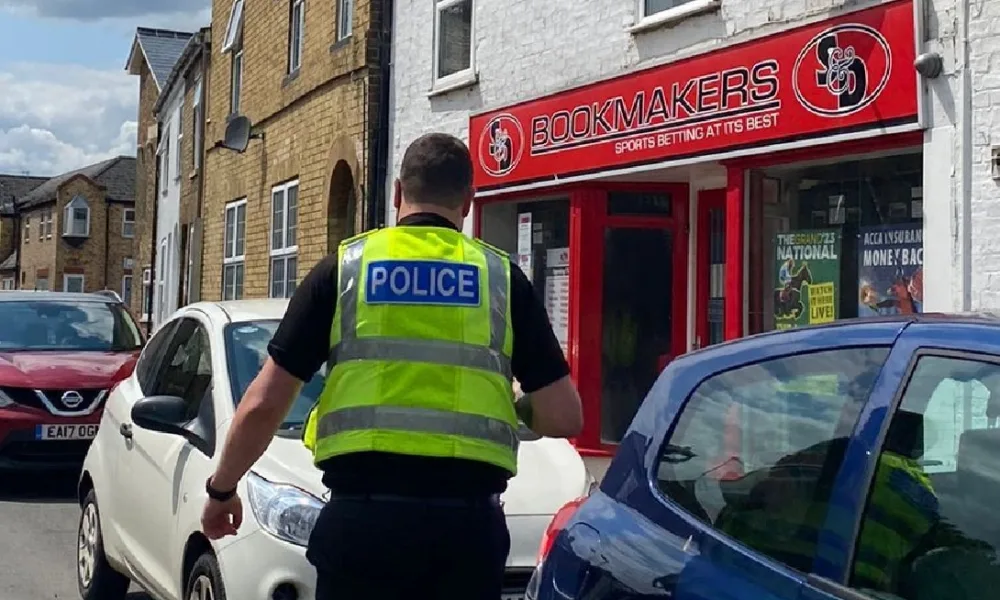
(765, 185)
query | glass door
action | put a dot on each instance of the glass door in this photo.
(643, 299)
(711, 268)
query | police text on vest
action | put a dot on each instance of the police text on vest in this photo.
(422, 282)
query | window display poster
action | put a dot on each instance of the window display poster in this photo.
(808, 277)
(557, 293)
(890, 270)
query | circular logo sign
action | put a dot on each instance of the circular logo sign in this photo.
(501, 144)
(72, 399)
(842, 70)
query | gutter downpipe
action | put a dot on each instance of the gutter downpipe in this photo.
(965, 238)
(379, 166)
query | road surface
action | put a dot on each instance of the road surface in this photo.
(38, 539)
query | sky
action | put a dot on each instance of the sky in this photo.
(66, 100)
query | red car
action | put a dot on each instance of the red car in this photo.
(60, 354)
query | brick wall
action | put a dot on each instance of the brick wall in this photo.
(312, 121)
(38, 257)
(84, 256)
(145, 182)
(7, 225)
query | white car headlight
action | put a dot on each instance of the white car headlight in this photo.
(285, 511)
(5, 400)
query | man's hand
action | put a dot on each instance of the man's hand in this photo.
(220, 519)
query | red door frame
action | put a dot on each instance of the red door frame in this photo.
(708, 200)
(588, 220)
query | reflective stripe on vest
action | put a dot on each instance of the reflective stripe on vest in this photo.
(439, 352)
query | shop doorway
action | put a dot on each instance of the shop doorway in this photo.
(643, 299)
(710, 269)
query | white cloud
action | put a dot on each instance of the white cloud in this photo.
(55, 118)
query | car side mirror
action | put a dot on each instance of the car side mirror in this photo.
(168, 414)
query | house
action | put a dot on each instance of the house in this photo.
(152, 58)
(306, 78)
(11, 188)
(665, 169)
(177, 225)
(76, 231)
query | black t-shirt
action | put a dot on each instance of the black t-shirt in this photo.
(302, 344)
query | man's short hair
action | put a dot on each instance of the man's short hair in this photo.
(436, 170)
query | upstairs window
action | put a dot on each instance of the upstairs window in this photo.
(296, 29)
(453, 48)
(345, 19)
(198, 116)
(46, 225)
(128, 223)
(27, 229)
(76, 218)
(233, 44)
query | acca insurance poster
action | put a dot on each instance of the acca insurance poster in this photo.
(890, 270)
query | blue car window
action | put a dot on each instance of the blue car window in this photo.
(930, 529)
(755, 450)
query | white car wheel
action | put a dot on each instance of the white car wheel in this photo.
(201, 589)
(95, 577)
(205, 579)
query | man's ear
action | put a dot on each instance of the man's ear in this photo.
(397, 194)
(467, 204)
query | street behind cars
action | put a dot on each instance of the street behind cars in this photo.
(850, 461)
(142, 487)
(60, 354)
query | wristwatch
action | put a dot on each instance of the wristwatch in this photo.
(215, 494)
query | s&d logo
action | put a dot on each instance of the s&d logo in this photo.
(501, 144)
(842, 70)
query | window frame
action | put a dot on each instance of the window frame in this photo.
(27, 229)
(674, 13)
(663, 436)
(296, 34)
(7, 283)
(235, 261)
(868, 479)
(345, 27)
(146, 300)
(126, 221)
(163, 156)
(47, 286)
(236, 77)
(463, 76)
(279, 193)
(178, 127)
(127, 289)
(197, 115)
(72, 276)
(69, 218)
(47, 223)
(234, 27)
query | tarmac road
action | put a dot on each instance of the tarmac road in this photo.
(38, 520)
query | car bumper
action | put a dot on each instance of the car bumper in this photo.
(21, 450)
(261, 566)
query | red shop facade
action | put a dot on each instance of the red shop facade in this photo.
(647, 208)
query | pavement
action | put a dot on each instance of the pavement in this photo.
(38, 521)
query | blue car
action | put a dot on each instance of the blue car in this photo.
(855, 461)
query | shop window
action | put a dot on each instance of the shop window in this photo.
(536, 234)
(640, 204)
(836, 240)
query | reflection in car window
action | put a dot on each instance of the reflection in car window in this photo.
(246, 350)
(186, 371)
(930, 529)
(756, 449)
(67, 325)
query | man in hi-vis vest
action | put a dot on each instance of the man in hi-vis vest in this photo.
(422, 330)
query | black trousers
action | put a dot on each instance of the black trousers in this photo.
(396, 548)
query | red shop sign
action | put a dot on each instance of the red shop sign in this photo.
(851, 73)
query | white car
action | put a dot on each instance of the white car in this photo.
(142, 488)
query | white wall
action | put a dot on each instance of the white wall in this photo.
(168, 213)
(525, 49)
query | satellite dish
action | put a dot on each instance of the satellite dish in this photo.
(237, 134)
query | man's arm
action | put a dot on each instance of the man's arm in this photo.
(551, 405)
(299, 348)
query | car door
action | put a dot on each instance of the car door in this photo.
(116, 441)
(928, 529)
(741, 481)
(157, 461)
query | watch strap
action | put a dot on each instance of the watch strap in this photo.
(217, 495)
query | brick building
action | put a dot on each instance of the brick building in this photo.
(76, 231)
(306, 77)
(703, 135)
(152, 58)
(11, 188)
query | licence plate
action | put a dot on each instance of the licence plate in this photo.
(65, 432)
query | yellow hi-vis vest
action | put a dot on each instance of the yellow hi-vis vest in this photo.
(420, 350)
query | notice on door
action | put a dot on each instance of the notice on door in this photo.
(557, 293)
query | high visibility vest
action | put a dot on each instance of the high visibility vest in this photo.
(420, 350)
(901, 510)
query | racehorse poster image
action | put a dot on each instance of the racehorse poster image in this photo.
(808, 269)
(890, 270)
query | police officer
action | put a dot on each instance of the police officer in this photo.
(422, 330)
